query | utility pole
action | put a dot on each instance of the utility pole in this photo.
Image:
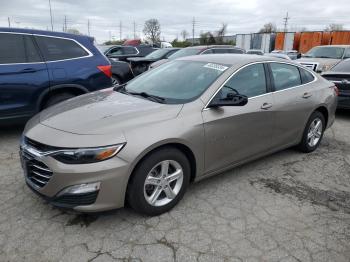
(120, 30)
(65, 24)
(88, 27)
(193, 24)
(51, 15)
(8, 19)
(286, 22)
(134, 30)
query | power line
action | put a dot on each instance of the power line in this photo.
(286, 22)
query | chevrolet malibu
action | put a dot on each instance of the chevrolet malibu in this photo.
(144, 142)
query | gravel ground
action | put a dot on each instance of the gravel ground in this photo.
(285, 207)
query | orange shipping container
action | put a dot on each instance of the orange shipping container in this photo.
(279, 41)
(308, 40)
(296, 41)
(341, 38)
(326, 38)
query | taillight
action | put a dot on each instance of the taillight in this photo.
(336, 90)
(106, 69)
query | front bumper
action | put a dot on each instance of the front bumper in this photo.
(112, 175)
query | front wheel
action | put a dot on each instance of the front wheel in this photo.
(159, 182)
(313, 132)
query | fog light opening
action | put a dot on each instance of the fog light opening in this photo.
(81, 189)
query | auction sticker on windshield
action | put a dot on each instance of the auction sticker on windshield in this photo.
(216, 66)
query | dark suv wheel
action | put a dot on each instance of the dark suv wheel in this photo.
(159, 181)
(58, 98)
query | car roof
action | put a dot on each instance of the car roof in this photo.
(212, 46)
(232, 59)
(44, 32)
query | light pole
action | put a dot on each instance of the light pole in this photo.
(51, 15)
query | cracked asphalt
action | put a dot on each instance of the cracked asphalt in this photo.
(285, 207)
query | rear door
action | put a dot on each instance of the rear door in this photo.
(237, 133)
(294, 100)
(64, 61)
(23, 75)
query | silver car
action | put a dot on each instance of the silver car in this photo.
(143, 143)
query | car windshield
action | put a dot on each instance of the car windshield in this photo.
(177, 82)
(157, 54)
(326, 52)
(343, 66)
(185, 52)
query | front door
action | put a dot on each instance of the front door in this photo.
(236, 133)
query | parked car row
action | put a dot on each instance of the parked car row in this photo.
(39, 68)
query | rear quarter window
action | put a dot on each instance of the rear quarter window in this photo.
(54, 49)
(306, 77)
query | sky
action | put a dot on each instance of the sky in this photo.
(106, 16)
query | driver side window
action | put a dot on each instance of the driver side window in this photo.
(250, 81)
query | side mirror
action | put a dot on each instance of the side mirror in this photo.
(231, 99)
(299, 55)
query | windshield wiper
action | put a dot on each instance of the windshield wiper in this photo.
(158, 99)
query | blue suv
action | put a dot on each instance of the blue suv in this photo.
(42, 68)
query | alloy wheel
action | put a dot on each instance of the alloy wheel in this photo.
(163, 183)
(315, 132)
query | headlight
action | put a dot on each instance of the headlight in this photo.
(326, 67)
(86, 155)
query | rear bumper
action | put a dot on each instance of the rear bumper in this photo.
(344, 101)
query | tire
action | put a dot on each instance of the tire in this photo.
(139, 192)
(307, 145)
(115, 80)
(55, 99)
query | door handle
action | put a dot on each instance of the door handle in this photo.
(28, 70)
(266, 106)
(307, 95)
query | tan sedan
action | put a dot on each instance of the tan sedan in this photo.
(144, 142)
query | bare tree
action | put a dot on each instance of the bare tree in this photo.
(334, 27)
(184, 34)
(268, 28)
(221, 33)
(152, 30)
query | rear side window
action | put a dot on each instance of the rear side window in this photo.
(285, 76)
(129, 50)
(306, 77)
(54, 49)
(17, 48)
(208, 51)
(220, 51)
(235, 51)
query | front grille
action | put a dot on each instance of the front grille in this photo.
(76, 199)
(312, 66)
(36, 171)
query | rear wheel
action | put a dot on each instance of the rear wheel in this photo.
(115, 80)
(159, 182)
(58, 98)
(313, 132)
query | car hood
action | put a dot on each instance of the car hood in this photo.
(322, 61)
(105, 112)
